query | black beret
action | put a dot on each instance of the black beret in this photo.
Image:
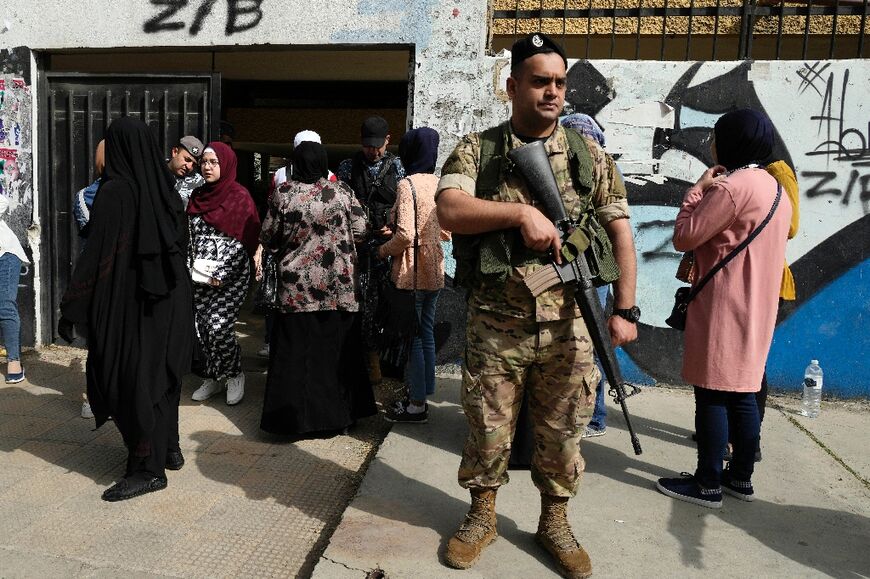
(533, 44)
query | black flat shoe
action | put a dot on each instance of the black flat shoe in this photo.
(174, 460)
(127, 488)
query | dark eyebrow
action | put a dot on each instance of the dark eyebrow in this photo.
(547, 77)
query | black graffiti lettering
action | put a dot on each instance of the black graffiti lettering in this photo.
(865, 188)
(663, 250)
(158, 23)
(201, 13)
(823, 177)
(237, 11)
(853, 178)
(841, 143)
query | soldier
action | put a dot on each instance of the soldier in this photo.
(183, 163)
(516, 341)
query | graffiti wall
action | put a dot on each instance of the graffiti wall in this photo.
(658, 117)
(16, 166)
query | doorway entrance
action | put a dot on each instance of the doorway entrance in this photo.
(266, 95)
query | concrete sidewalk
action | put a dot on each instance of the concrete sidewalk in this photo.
(246, 504)
(811, 517)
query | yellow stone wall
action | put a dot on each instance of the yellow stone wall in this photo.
(821, 25)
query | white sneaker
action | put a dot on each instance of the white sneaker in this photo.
(86, 410)
(236, 389)
(208, 389)
(264, 351)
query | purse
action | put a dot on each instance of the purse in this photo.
(266, 296)
(202, 270)
(686, 270)
(684, 295)
(400, 322)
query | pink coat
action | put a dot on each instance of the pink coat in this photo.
(430, 268)
(730, 323)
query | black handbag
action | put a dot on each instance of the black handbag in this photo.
(399, 319)
(266, 297)
(685, 295)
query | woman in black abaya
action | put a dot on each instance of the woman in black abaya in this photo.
(131, 294)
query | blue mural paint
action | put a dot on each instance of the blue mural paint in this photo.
(416, 19)
(690, 117)
(828, 327)
(630, 371)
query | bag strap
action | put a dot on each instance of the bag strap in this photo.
(724, 261)
(416, 231)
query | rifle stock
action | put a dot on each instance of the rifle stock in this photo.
(533, 165)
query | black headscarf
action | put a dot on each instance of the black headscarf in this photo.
(132, 156)
(743, 137)
(418, 150)
(310, 162)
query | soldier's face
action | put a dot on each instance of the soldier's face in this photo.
(181, 162)
(537, 89)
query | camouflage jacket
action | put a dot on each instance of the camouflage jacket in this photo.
(512, 297)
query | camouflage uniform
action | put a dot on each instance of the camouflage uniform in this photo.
(516, 341)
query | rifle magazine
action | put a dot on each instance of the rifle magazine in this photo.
(542, 280)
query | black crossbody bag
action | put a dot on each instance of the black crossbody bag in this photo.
(685, 295)
(400, 320)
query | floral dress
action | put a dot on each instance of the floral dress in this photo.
(311, 229)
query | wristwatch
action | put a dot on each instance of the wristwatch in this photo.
(632, 314)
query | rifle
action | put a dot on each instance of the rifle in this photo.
(533, 166)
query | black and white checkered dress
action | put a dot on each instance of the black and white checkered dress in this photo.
(217, 308)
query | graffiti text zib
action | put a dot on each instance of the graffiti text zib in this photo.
(858, 186)
(171, 15)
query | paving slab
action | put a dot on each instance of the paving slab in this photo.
(246, 504)
(811, 517)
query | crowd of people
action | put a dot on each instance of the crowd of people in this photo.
(172, 246)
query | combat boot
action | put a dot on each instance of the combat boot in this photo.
(554, 534)
(476, 531)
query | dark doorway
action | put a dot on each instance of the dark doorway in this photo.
(77, 109)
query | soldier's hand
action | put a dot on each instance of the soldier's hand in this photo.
(539, 233)
(621, 331)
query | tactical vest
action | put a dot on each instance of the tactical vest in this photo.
(377, 194)
(492, 256)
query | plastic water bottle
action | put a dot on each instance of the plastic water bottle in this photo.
(812, 398)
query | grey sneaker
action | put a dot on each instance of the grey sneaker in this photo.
(591, 432)
(208, 389)
(236, 389)
(86, 410)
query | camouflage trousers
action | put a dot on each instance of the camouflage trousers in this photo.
(554, 360)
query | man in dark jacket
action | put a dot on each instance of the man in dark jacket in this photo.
(374, 174)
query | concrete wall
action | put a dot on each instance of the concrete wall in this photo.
(16, 168)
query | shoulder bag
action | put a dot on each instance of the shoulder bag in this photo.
(202, 270)
(685, 295)
(400, 322)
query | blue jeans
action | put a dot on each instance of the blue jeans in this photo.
(421, 361)
(10, 323)
(599, 415)
(720, 414)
